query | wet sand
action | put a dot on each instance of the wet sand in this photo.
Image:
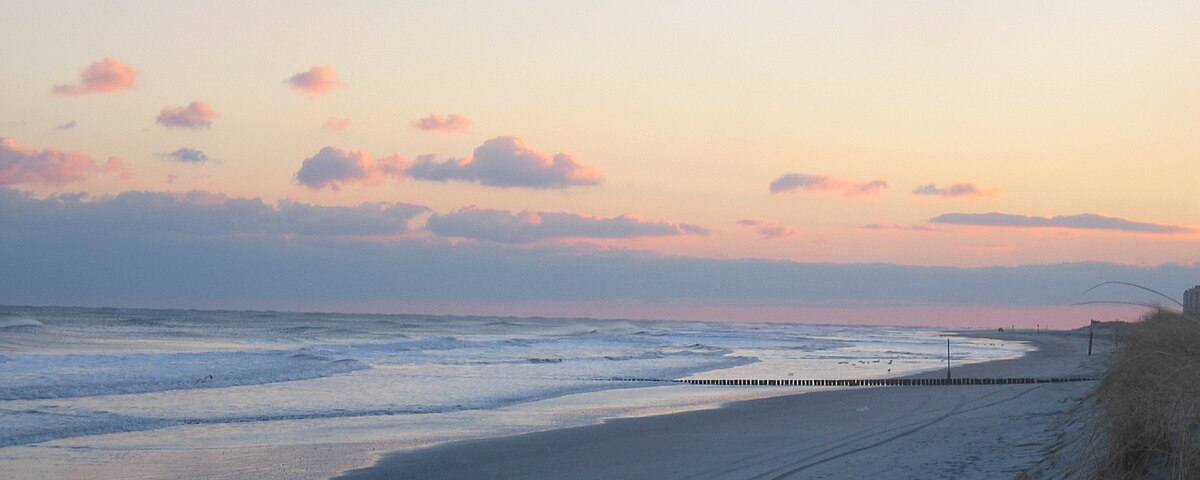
(966, 432)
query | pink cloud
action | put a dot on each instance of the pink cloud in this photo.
(799, 182)
(768, 230)
(893, 226)
(509, 162)
(107, 75)
(868, 188)
(316, 80)
(19, 165)
(116, 166)
(453, 123)
(957, 190)
(499, 162)
(336, 124)
(332, 167)
(196, 115)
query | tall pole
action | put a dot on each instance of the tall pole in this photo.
(947, 359)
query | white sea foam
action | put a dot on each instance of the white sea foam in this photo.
(16, 322)
(66, 376)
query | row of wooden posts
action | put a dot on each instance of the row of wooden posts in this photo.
(860, 382)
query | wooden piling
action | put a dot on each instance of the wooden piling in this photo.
(1091, 335)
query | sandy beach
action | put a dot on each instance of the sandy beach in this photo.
(965, 432)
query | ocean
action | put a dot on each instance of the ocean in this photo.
(135, 393)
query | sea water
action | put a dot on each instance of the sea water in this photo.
(129, 393)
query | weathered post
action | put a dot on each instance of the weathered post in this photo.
(1091, 336)
(947, 359)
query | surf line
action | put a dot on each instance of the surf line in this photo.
(860, 382)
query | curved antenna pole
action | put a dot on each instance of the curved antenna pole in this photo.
(1116, 302)
(1130, 284)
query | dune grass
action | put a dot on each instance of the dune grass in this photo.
(1150, 401)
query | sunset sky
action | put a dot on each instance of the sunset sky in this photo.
(883, 162)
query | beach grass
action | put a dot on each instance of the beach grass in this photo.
(1150, 401)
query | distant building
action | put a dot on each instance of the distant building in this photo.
(1191, 300)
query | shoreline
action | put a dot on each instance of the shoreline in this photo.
(962, 431)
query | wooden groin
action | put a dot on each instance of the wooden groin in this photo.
(859, 382)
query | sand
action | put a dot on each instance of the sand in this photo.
(963, 432)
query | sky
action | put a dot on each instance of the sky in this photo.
(945, 163)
